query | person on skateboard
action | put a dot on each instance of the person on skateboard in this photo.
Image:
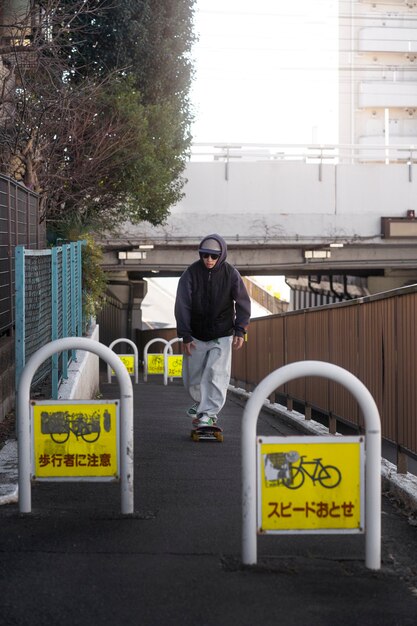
(212, 312)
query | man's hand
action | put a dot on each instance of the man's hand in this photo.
(237, 343)
(188, 347)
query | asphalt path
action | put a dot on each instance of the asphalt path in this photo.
(177, 561)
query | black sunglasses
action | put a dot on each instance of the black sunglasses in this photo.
(211, 256)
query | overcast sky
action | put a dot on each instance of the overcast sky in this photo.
(266, 71)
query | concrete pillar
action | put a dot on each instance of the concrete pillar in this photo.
(379, 284)
(130, 290)
(138, 290)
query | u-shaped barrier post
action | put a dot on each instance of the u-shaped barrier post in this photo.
(168, 348)
(146, 352)
(372, 442)
(135, 358)
(126, 416)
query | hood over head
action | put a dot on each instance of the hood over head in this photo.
(214, 244)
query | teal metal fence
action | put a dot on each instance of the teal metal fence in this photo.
(48, 306)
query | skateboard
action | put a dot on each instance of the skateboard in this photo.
(207, 433)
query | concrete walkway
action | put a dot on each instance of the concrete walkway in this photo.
(177, 561)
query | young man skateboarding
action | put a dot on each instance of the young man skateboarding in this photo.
(212, 310)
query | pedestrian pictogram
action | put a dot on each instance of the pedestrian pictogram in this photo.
(77, 439)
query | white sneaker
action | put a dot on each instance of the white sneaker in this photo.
(205, 420)
(192, 411)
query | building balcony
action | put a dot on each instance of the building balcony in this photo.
(382, 39)
(374, 148)
(383, 94)
(384, 4)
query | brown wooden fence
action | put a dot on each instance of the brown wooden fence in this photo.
(374, 338)
(19, 225)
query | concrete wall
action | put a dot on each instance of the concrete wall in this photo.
(286, 202)
(7, 376)
(377, 88)
(83, 375)
(82, 382)
(271, 212)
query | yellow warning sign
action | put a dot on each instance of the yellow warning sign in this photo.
(310, 484)
(128, 361)
(155, 363)
(75, 439)
(175, 365)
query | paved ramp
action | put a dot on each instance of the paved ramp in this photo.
(76, 561)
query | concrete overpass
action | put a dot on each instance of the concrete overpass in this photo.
(293, 211)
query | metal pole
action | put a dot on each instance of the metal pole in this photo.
(20, 312)
(126, 416)
(54, 317)
(373, 452)
(73, 299)
(80, 288)
(64, 311)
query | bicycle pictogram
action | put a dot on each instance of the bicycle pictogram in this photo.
(60, 424)
(328, 476)
(291, 470)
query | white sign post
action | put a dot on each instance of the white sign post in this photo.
(372, 445)
(126, 416)
(157, 359)
(125, 357)
(178, 361)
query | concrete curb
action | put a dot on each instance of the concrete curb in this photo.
(8, 473)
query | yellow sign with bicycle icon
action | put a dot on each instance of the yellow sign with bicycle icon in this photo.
(175, 365)
(310, 484)
(76, 439)
(128, 361)
(155, 363)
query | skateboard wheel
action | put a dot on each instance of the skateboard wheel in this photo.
(219, 436)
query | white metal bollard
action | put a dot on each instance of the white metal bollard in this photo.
(135, 358)
(145, 354)
(168, 348)
(126, 416)
(372, 442)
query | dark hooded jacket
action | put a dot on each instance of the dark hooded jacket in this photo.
(211, 303)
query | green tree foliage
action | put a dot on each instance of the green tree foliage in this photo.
(147, 43)
(101, 117)
(149, 39)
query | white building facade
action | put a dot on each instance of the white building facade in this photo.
(378, 76)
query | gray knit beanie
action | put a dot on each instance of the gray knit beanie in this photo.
(210, 245)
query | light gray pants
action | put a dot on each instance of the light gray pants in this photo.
(206, 373)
